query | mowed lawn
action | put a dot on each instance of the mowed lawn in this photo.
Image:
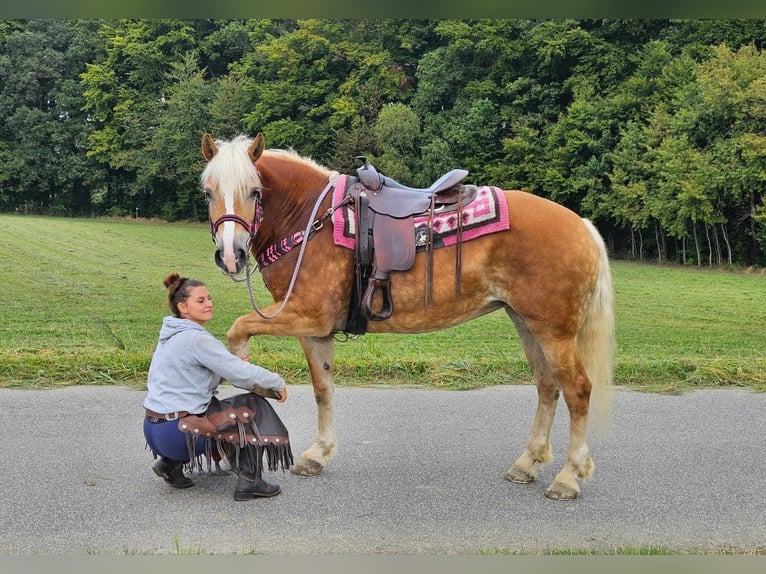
(84, 300)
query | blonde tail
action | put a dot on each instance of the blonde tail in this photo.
(596, 340)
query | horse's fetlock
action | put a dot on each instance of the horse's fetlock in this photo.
(545, 455)
(325, 446)
(585, 470)
(540, 453)
(581, 462)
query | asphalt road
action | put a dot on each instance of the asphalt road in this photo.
(418, 472)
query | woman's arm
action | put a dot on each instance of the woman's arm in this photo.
(214, 355)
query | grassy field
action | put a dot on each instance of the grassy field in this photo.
(84, 300)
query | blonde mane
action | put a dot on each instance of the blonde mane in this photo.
(232, 169)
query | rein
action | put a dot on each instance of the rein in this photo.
(313, 226)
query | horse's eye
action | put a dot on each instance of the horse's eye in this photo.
(208, 193)
(255, 192)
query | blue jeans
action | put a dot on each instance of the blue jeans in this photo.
(166, 439)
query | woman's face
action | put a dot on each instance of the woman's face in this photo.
(198, 307)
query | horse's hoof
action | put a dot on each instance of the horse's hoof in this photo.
(519, 475)
(559, 491)
(306, 468)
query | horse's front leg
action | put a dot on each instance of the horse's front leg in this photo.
(238, 338)
(292, 321)
(320, 356)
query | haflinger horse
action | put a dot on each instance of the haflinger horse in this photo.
(549, 271)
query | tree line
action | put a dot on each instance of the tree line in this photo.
(654, 129)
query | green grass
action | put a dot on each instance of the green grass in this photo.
(84, 300)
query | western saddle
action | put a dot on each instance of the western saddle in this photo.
(385, 241)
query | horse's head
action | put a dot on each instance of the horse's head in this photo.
(233, 190)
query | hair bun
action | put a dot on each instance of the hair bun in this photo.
(171, 278)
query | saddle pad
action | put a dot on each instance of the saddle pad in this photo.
(487, 213)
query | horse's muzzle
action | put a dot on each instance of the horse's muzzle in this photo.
(231, 261)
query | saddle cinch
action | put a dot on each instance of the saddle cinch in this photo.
(384, 212)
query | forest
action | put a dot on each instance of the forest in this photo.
(653, 129)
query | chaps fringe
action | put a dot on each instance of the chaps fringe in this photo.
(249, 436)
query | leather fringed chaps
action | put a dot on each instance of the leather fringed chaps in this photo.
(240, 426)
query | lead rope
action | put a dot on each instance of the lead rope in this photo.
(298, 263)
(249, 272)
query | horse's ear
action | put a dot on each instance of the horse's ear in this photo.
(209, 149)
(256, 148)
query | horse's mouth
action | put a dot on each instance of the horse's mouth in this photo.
(231, 265)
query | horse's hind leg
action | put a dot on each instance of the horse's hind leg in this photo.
(557, 368)
(320, 356)
(565, 363)
(538, 448)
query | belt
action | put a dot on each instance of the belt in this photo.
(166, 417)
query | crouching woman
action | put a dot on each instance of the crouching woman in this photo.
(185, 420)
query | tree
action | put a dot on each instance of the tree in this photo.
(146, 99)
(397, 134)
(174, 145)
(317, 78)
(44, 130)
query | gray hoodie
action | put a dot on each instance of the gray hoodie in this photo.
(189, 364)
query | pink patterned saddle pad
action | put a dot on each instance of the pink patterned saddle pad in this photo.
(487, 213)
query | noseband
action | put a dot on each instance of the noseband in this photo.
(251, 228)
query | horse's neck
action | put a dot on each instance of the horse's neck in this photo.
(289, 197)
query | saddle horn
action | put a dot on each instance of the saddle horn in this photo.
(368, 175)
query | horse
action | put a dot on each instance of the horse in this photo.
(549, 271)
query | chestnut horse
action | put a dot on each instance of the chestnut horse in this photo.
(549, 271)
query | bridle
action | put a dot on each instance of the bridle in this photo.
(252, 228)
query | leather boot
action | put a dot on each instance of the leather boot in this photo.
(249, 487)
(172, 472)
(250, 484)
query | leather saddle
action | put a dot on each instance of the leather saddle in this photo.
(384, 212)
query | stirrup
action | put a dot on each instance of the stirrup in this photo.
(386, 309)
